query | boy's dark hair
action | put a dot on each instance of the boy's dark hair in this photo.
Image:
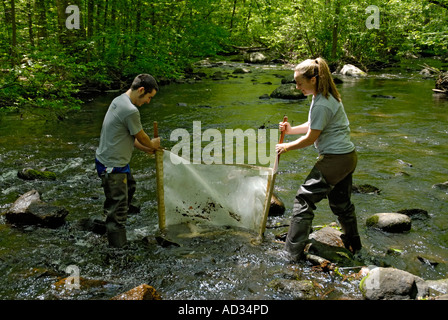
(146, 81)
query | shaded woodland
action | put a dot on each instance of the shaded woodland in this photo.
(49, 53)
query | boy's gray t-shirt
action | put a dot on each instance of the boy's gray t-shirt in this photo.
(120, 125)
(328, 115)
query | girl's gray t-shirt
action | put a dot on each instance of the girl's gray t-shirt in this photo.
(328, 115)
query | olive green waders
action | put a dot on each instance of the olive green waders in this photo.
(331, 178)
(119, 189)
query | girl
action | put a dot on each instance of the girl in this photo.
(328, 129)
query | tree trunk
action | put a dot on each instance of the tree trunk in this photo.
(90, 8)
(40, 9)
(233, 16)
(14, 33)
(30, 22)
(334, 45)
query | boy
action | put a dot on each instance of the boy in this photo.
(121, 132)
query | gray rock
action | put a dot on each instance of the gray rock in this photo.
(439, 286)
(392, 284)
(255, 57)
(47, 215)
(241, 71)
(327, 243)
(351, 70)
(390, 222)
(28, 209)
(287, 91)
(23, 202)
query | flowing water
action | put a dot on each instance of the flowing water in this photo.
(402, 145)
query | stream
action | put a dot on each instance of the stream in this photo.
(402, 148)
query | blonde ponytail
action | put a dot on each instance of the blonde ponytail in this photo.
(324, 81)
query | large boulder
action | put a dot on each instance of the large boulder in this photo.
(327, 243)
(392, 284)
(255, 57)
(28, 209)
(390, 222)
(351, 70)
(23, 202)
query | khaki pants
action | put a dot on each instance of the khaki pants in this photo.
(331, 177)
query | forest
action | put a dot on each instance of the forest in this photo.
(53, 50)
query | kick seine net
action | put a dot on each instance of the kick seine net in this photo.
(236, 196)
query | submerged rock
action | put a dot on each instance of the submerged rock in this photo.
(28, 209)
(415, 213)
(94, 224)
(390, 222)
(298, 289)
(382, 96)
(441, 186)
(366, 188)
(241, 71)
(392, 284)
(84, 283)
(287, 91)
(142, 292)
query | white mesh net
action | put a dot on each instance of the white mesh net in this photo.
(218, 195)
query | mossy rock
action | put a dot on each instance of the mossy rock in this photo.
(389, 222)
(33, 174)
(287, 91)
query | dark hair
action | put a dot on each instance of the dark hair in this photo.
(319, 68)
(146, 81)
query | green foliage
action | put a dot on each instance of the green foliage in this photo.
(46, 66)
